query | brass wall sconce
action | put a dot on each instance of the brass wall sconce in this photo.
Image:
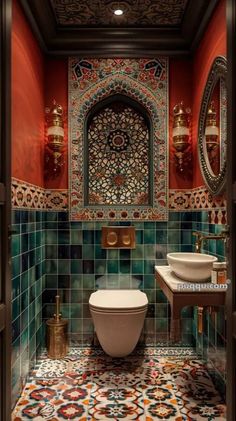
(181, 138)
(211, 133)
(54, 153)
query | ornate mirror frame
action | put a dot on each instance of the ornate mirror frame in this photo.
(215, 183)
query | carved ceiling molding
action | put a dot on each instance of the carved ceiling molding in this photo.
(140, 13)
(147, 28)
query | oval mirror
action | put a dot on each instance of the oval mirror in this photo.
(212, 129)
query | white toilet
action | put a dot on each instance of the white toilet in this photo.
(118, 317)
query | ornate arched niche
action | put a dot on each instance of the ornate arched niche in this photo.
(118, 154)
(118, 139)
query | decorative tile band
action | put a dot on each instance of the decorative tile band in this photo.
(28, 196)
(196, 199)
(56, 200)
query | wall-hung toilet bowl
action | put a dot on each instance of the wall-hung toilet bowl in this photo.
(118, 317)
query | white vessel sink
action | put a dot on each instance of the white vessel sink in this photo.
(192, 267)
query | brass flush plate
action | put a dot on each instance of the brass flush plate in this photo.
(118, 237)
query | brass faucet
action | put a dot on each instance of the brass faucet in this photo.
(200, 238)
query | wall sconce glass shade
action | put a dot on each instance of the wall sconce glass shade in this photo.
(55, 138)
(181, 136)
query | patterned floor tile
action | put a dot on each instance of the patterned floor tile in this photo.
(150, 384)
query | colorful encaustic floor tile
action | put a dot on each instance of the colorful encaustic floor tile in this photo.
(150, 384)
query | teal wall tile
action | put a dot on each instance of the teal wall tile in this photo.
(75, 264)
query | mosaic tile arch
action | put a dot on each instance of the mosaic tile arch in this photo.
(144, 81)
(119, 151)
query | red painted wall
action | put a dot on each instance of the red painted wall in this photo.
(27, 102)
(56, 87)
(31, 92)
(180, 89)
(213, 44)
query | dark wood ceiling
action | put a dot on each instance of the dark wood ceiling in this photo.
(147, 27)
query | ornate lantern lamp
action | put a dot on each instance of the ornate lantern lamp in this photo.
(55, 139)
(211, 133)
(181, 137)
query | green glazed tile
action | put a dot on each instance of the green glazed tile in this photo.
(24, 319)
(63, 237)
(76, 325)
(149, 266)
(24, 280)
(149, 281)
(174, 225)
(124, 281)
(113, 254)
(16, 266)
(76, 226)
(149, 236)
(88, 251)
(137, 266)
(76, 281)
(112, 266)
(51, 216)
(124, 266)
(88, 237)
(15, 245)
(76, 266)
(139, 237)
(151, 294)
(138, 252)
(161, 237)
(125, 254)
(160, 296)
(65, 310)
(174, 216)
(76, 237)
(88, 281)
(76, 296)
(32, 240)
(32, 276)
(100, 267)
(51, 281)
(16, 308)
(51, 266)
(100, 253)
(88, 326)
(161, 325)
(174, 237)
(161, 310)
(76, 311)
(16, 287)
(149, 251)
(64, 267)
(51, 237)
(149, 225)
(32, 310)
(38, 255)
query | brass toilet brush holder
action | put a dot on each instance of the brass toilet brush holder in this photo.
(57, 336)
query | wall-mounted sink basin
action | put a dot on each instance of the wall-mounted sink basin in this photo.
(192, 267)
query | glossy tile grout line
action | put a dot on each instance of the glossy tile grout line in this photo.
(150, 384)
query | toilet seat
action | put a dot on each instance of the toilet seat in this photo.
(118, 311)
(118, 301)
